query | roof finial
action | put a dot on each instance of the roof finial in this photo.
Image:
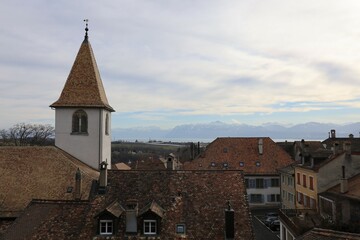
(86, 29)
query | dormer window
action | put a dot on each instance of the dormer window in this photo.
(106, 227)
(79, 122)
(151, 216)
(150, 227)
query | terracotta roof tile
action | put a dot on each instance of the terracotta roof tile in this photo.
(39, 172)
(242, 154)
(84, 87)
(194, 198)
(326, 234)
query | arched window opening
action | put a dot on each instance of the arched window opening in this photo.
(79, 122)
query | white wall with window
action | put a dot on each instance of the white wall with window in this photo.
(82, 133)
(263, 190)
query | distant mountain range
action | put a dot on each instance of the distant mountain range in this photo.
(210, 131)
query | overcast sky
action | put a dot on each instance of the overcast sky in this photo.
(166, 63)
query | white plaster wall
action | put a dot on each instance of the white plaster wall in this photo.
(105, 139)
(84, 147)
(263, 191)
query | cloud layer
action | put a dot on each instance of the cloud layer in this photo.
(172, 62)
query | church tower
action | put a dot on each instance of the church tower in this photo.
(82, 112)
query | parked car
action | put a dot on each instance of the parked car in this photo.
(269, 220)
(271, 214)
(275, 225)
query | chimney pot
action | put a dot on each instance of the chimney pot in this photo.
(103, 177)
(261, 146)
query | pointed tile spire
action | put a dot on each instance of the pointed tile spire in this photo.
(83, 87)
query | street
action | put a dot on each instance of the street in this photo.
(261, 231)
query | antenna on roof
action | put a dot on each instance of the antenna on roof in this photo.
(86, 28)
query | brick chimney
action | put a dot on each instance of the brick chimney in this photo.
(103, 177)
(78, 184)
(333, 133)
(343, 182)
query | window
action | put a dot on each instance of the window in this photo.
(283, 179)
(180, 228)
(256, 198)
(250, 183)
(213, 164)
(300, 198)
(257, 164)
(311, 183)
(290, 181)
(304, 180)
(106, 227)
(79, 122)
(298, 178)
(259, 183)
(242, 164)
(306, 201)
(273, 198)
(290, 197)
(274, 182)
(283, 194)
(312, 203)
(225, 165)
(150, 227)
(107, 124)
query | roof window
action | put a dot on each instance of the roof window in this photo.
(180, 228)
(242, 164)
(258, 164)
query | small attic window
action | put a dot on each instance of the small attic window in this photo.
(180, 228)
(258, 164)
(225, 165)
(242, 164)
(213, 164)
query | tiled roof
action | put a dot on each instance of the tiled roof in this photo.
(355, 143)
(235, 151)
(52, 220)
(39, 172)
(194, 198)
(84, 87)
(326, 234)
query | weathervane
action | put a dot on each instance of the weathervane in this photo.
(86, 28)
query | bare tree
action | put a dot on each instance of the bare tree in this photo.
(22, 134)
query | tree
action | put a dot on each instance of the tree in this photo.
(22, 134)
